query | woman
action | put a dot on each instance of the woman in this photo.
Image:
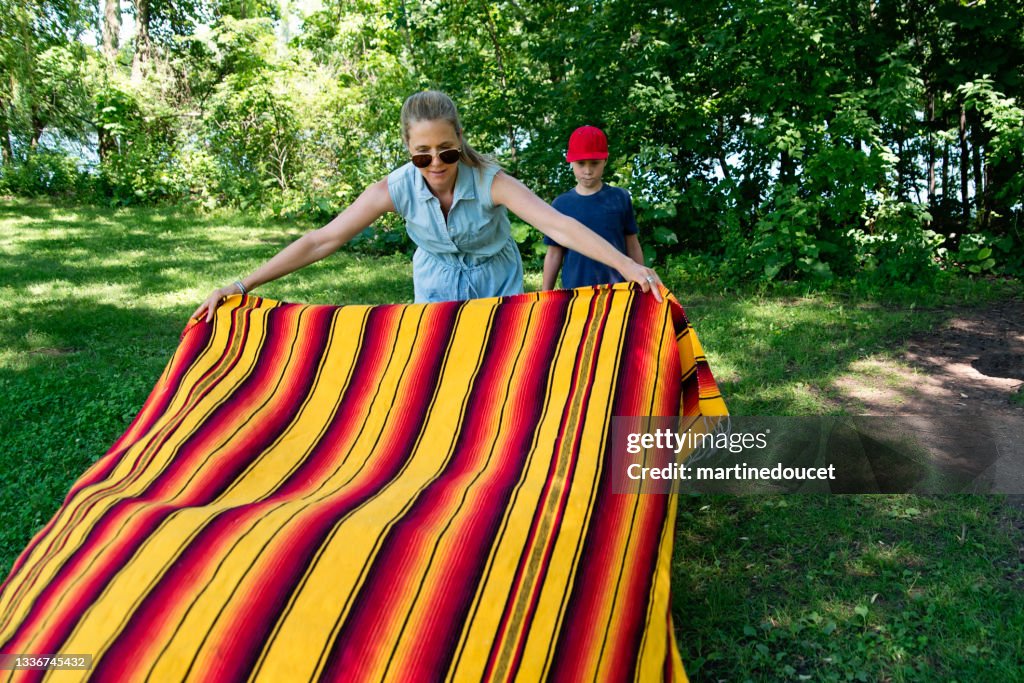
(454, 203)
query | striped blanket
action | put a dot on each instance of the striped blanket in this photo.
(405, 492)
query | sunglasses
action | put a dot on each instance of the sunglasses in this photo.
(448, 156)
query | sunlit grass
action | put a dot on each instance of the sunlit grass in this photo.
(780, 355)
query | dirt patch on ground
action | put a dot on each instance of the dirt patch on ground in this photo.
(973, 363)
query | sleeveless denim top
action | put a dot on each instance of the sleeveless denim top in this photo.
(472, 254)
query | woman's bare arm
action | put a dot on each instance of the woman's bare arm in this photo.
(569, 232)
(373, 203)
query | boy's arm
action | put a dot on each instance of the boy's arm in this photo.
(634, 250)
(552, 264)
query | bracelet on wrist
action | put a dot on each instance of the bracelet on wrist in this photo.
(241, 287)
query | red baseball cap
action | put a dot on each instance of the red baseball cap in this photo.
(587, 142)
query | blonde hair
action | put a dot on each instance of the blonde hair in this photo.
(434, 105)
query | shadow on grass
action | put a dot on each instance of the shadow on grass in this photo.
(142, 256)
(781, 356)
(142, 248)
(846, 588)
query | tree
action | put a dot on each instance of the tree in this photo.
(38, 68)
(111, 29)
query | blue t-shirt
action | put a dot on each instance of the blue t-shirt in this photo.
(609, 213)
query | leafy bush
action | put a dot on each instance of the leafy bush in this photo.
(253, 135)
(383, 240)
(138, 149)
(690, 268)
(783, 243)
(1009, 252)
(974, 254)
(1003, 120)
(45, 173)
(531, 244)
(897, 247)
(198, 167)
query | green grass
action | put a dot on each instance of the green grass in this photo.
(875, 588)
(780, 354)
(1018, 397)
(839, 588)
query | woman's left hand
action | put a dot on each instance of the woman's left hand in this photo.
(643, 276)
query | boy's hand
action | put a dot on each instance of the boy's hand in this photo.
(552, 264)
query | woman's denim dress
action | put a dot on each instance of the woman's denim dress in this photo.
(471, 256)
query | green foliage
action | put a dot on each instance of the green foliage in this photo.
(253, 137)
(1008, 251)
(784, 241)
(382, 241)
(45, 173)
(1003, 120)
(691, 270)
(786, 140)
(531, 244)
(898, 248)
(58, 91)
(140, 161)
(974, 254)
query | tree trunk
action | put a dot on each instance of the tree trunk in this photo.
(107, 143)
(5, 149)
(787, 168)
(143, 44)
(720, 149)
(38, 126)
(901, 184)
(111, 29)
(965, 204)
(5, 135)
(999, 206)
(979, 178)
(945, 181)
(931, 150)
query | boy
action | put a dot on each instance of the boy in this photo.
(606, 210)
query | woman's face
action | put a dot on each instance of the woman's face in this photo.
(433, 137)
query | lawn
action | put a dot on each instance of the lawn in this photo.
(869, 588)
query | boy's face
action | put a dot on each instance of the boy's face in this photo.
(588, 172)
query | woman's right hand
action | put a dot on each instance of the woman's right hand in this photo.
(210, 305)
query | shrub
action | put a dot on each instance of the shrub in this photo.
(897, 247)
(45, 173)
